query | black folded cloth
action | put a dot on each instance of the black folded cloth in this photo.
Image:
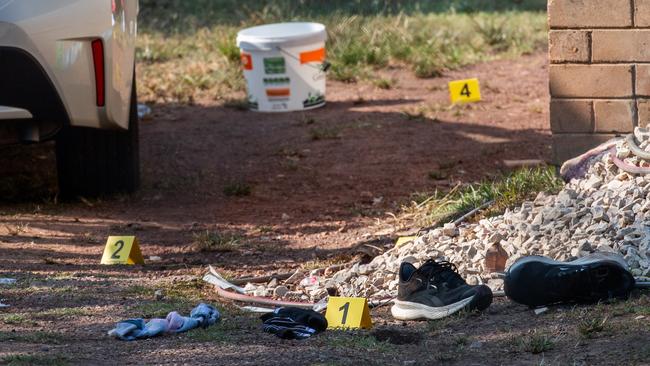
(294, 323)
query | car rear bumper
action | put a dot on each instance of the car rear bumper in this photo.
(27, 88)
(11, 113)
(59, 36)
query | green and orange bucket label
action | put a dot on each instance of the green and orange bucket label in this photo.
(246, 61)
(275, 94)
(312, 56)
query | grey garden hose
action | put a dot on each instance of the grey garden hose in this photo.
(636, 150)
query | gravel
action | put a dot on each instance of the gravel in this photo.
(607, 210)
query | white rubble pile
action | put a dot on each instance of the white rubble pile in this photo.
(608, 210)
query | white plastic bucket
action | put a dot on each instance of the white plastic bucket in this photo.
(284, 66)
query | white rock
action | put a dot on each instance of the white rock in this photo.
(606, 211)
(450, 230)
(260, 291)
(250, 288)
(622, 153)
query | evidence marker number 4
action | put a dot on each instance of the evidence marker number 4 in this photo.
(465, 91)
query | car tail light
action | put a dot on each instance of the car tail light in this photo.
(98, 60)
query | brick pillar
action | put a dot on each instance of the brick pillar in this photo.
(600, 71)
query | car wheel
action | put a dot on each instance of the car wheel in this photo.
(94, 162)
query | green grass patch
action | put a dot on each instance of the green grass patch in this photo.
(190, 290)
(385, 83)
(590, 328)
(324, 133)
(139, 291)
(183, 290)
(34, 360)
(508, 191)
(535, 342)
(358, 342)
(178, 16)
(160, 309)
(462, 340)
(225, 331)
(27, 319)
(16, 319)
(237, 189)
(187, 51)
(633, 306)
(65, 311)
(212, 241)
(214, 333)
(438, 175)
(37, 337)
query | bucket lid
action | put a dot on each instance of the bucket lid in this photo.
(270, 36)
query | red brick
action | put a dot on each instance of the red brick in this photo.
(589, 13)
(600, 81)
(570, 145)
(642, 13)
(643, 108)
(568, 45)
(627, 45)
(614, 115)
(572, 116)
(643, 80)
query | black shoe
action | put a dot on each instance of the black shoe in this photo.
(434, 291)
(537, 281)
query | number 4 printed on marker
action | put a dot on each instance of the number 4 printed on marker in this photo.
(465, 91)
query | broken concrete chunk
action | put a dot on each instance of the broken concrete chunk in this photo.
(450, 230)
(280, 291)
(605, 211)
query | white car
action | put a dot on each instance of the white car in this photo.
(67, 72)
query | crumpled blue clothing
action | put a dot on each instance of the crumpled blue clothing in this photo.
(203, 315)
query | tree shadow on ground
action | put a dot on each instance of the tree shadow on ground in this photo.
(324, 169)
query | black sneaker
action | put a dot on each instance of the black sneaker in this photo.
(434, 291)
(537, 281)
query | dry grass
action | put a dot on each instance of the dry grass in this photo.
(508, 191)
(210, 241)
(187, 52)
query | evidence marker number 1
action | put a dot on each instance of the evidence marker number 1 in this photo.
(348, 312)
(465, 91)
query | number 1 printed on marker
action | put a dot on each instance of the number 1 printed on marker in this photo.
(345, 309)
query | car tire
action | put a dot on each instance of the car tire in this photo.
(93, 162)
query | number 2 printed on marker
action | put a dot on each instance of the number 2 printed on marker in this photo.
(121, 245)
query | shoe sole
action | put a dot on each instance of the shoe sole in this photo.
(540, 281)
(405, 310)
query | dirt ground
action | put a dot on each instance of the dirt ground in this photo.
(321, 183)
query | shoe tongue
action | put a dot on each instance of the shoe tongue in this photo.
(452, 278)
(438, 274)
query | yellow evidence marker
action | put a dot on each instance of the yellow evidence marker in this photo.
(465, 91)
(122, 250)
(348, 312)
(403, 240)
